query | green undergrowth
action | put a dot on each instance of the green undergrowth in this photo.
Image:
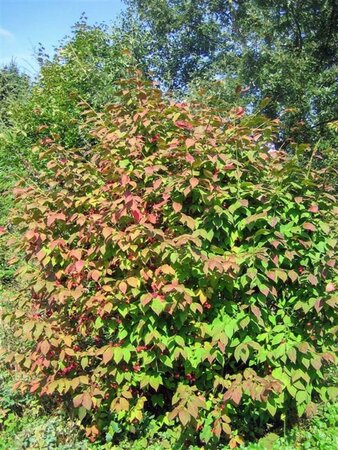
(321, 433)
(36, 430)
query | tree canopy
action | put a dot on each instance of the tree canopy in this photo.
(284, 50)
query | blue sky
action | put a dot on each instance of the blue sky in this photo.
(25, 23)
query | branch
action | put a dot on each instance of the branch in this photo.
(323, 122)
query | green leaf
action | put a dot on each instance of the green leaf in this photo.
(118, 354)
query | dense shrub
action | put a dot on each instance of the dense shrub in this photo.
(178, 269)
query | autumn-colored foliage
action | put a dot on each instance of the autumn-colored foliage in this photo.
(177, 266)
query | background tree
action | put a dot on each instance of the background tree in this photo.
(84, 68)
(13, 84)
(284, 50)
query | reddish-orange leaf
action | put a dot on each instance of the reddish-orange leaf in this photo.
(293, 275)
(193, 182)
(177, 207)
(77, 401)
(236, 395)
(44, 347)
(313, 279)
(107, 231)
(79, 265)
(95, 274)
(34, 387)
(137, 215)
(239, 111)
(330, 287)
(309, 226)
(184, 125)
(107, 355)
(123, 287)
(189, 158)
(190, 142)
(256, 311)
(87, 401)
(314, 208)
(76, 253)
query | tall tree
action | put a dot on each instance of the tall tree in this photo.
(284, 50)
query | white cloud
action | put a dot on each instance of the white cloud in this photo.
(5, 34)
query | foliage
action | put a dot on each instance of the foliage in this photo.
(283, 50)
(84, 67)
(319, 434)
(13, 88)
(37, 431)
(13, 85)
(177, 269)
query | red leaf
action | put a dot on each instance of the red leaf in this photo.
(79, 265)
(314, 208)
(184, 125)
(330, 287)
(2, 230)
(229, 166)
(189, 158)
(239, 111)
(137, 215)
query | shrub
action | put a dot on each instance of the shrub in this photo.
(179, 270)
